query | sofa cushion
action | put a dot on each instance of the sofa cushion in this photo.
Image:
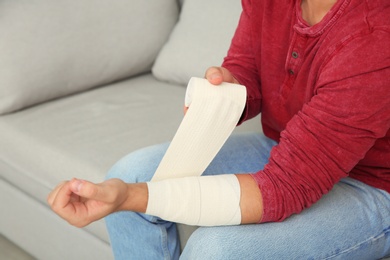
(50, 49)
(200, 39)
(85, 134)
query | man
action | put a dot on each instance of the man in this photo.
(318, 71)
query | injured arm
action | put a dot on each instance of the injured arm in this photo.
(204, 201)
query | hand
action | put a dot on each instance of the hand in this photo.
(217, 75)
(81, 202)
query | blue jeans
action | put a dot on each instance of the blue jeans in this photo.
(350, 222)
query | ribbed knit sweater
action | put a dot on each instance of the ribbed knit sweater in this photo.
(323, 92)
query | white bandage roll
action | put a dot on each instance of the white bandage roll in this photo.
(201, 201)
(213, 113)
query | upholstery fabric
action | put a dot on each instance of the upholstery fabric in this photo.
(200, 39)
(51, 49)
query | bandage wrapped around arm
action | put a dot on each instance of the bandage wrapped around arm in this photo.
(177, 193)
(213, 114)
(202, 201)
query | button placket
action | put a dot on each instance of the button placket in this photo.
(294, 61)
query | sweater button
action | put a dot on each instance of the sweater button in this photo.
(294, 54)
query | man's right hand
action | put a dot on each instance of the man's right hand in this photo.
(217, 75)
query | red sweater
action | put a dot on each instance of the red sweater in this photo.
(324, 95)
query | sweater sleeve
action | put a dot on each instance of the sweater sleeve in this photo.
(349, 111)
(240, 61)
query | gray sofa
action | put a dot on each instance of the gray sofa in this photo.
(83, 83)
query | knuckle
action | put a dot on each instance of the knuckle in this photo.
(90, 191)
(80, 225)
(49, 200)
(56, 208)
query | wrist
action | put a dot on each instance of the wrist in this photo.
(136, 198)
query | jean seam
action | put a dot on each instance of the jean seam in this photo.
(164, 241)
(371, 239)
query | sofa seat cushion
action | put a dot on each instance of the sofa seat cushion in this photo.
(51, 49)
(84, 135)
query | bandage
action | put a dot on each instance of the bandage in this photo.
(176, 192)
(200, 201)
(213, 113)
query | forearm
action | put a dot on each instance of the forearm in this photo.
(250, 200)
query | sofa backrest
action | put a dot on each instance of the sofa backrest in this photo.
(49, 49)
(199, 40)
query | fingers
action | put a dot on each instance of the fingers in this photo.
(66, 191)
(70, 191)
(111, 191)
(185, 109)
(52, 195)
(60, 199)
(81, 202)
(88, 190)
(217, 75)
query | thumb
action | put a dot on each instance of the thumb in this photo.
(87, 189)
(217, 75)
(214, 75)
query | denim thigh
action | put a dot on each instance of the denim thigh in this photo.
(352, 222)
